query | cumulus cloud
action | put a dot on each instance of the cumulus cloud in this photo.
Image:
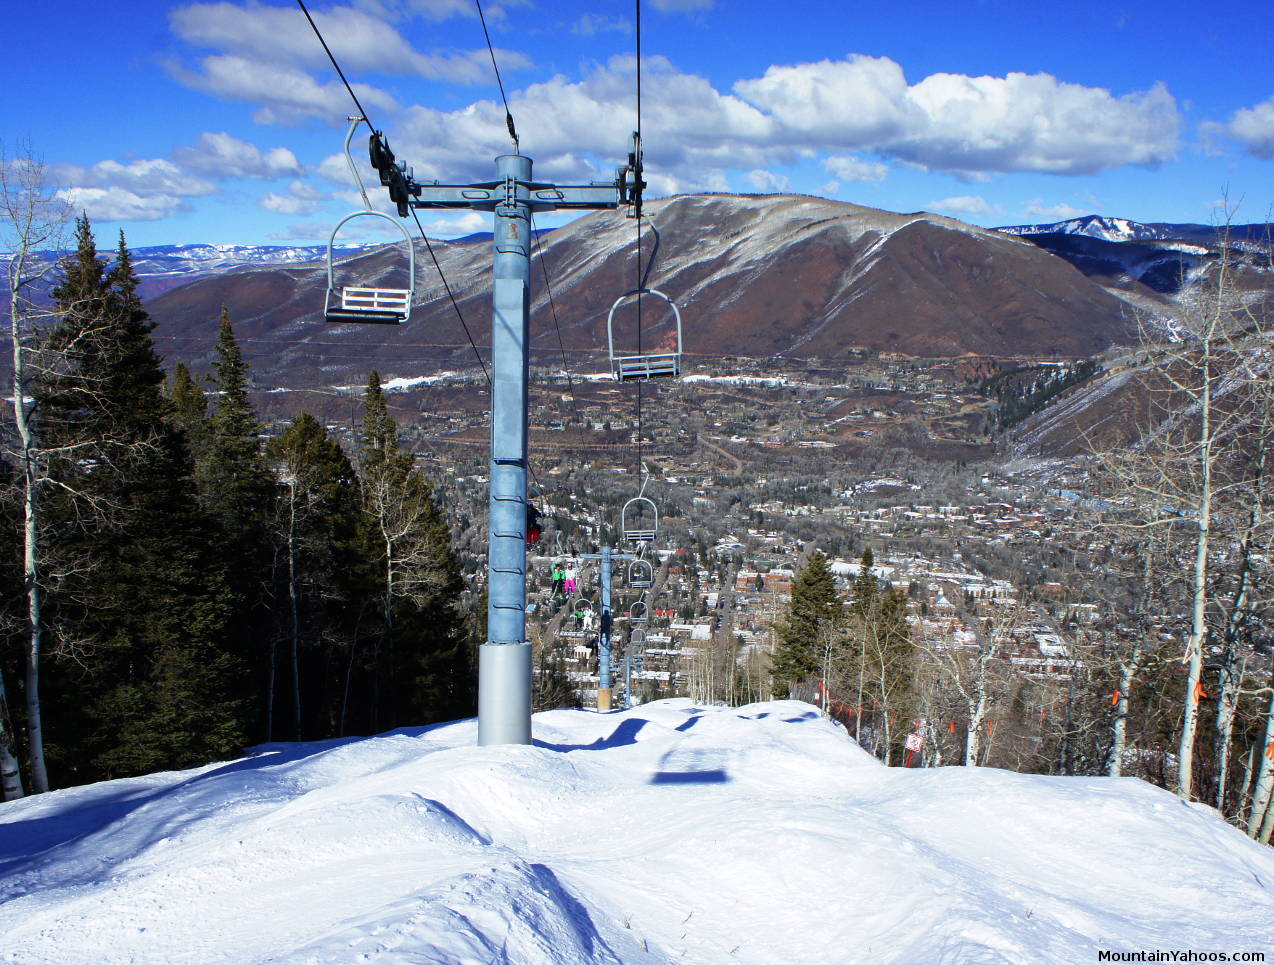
(592, 24)
(1253, 127)
(695, 134)
(1037, 209)
(120, 204)
(970, 204)
(361, 41)
(951, 122)
(847, 168)
(682, 6)
(221, 156)
(768, 181)
(461, 224)
(154, 177)
(287, 95)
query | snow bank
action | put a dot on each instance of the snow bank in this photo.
(669, 833)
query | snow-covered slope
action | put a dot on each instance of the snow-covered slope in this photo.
(669, 833)
(1095, 226)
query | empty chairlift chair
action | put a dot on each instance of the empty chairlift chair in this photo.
(640, 574)
(639, 520)
(626, 366)
(364, 303)
(639, 612)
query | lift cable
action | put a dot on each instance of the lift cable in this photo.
(548, 287)
(451, 295)
(363, 114)
(508, 115)
(640, 278)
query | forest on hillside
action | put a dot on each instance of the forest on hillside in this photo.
(179, 587)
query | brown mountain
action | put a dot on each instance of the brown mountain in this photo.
(754, 276)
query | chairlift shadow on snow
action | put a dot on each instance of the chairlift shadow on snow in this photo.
(692, 766)
(625, 733)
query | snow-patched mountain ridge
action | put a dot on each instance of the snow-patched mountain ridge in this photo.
(1095, 226)
(667, 833)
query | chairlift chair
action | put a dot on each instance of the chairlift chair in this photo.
(363, 303)
(639, 613)
(640, 574)
(633, 524)
(629, 367)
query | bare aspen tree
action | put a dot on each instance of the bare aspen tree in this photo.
(1177, 477)
(33, 221)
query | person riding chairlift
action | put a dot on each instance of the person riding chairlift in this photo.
(533, 531)
(558, 579)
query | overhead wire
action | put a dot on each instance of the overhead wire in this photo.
(363, 114)
(508, 115)
(640, 279)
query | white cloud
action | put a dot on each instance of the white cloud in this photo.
(846, 168)
(302, 198)
(767, 181)
(696, 135)
(1254, 128)
(120, 204)
(1020, 122)
(461, 224)
(592, 24)
(1037, 209)
(970, 204)
(219, 155)
(682, 6)
(287, 95)
(361, 42)
(154, 177)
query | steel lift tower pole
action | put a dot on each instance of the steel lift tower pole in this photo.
(606, 558)
(504, 660)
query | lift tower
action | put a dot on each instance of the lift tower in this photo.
(504, 663)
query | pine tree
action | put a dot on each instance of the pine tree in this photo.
(318, 529)
(190, 409)
(155, 688)
(239, 492)
(810, 626)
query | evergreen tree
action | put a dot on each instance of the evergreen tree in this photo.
(145, 613)
(318, 529)
(190, 409)
(810, 626)
(238, 491)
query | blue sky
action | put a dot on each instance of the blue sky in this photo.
(223, 121)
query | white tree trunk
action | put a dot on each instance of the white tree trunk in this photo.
(1119, 737)
(10, 773)
(30, 532)
(1264, 778)
(1198, 590)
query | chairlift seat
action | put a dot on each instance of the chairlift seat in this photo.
(639, 613)
(375, 306)
(630, 368)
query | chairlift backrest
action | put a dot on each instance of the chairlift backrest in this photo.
(628, 366)
(634, 525)
(363, 303)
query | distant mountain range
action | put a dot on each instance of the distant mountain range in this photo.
(1121, 229)
(758, 276)
(1147, 259)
